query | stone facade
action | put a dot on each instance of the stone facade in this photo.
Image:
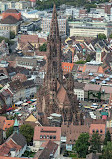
(57, 96)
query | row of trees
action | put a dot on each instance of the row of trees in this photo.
(85, 145)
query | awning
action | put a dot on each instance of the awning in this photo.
(100, 109)
(9, 109)
(17, 112)
(104, 117)
(33, 100)
(29, 102)
(104, 113)
(24, 104)
(19, 102)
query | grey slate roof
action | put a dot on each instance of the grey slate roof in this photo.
(19, 139)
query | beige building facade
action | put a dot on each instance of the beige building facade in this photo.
(9, 27)
(88, 29)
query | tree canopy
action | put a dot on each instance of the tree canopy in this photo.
(43, 47)
(6, 40)
(9, 131)
(107, 137)
(95, 143)
(80, 62)
(107, 151)
(41, 5)
(110, 36)
(12, 34)
(82, 145)
(101, 36)
(27, 131)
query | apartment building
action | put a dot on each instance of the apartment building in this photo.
(62, 22)
(79, 90)
(14, 5)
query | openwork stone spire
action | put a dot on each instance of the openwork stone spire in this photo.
(54, 31)
(54, 69)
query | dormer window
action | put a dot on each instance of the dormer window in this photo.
(40, 136)
(50, 137)
(47, 136)
(54, 137)
(101, 131)
(44, 136)
(93, 130)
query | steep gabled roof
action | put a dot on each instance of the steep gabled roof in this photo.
(31, 118)
(19, 139)
(11, 11)
(9, 20)
(63, 96)
(49, 149)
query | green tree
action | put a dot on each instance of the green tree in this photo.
(88, 6)
(27, 131)
(80, 62)
(82, 144)
(95, 143)
(107, 138)
(6, 40)
(101, 36)
(9, 131)
(110, 36)
(88, 59)
(12, 34)
(43, 47)
(107, 151)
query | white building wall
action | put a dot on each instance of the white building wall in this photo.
(87, 32)
(79, 93)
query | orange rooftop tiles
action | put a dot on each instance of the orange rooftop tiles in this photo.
(8, 124)
(46, 133)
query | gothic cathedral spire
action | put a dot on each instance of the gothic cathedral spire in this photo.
(54, 30)
(54, 69)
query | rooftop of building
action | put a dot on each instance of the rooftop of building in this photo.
(12, 11)
(46, 133)
(8, 124)
(9, 20)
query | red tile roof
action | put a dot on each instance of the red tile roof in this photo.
(2, 121)
(9, 20)
(92, 87)
(72, 132)
(11, 11)
(44, 133)
(6, 147)
(63, 96)
(32, 39)
(2, 157)
(29, 38)
(67, 67)
(8, 124)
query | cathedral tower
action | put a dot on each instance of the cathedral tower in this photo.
(54, 68)
(55, 96)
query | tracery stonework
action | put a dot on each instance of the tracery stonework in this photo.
(55, 96)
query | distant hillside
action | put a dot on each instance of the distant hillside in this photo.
(46, 4)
